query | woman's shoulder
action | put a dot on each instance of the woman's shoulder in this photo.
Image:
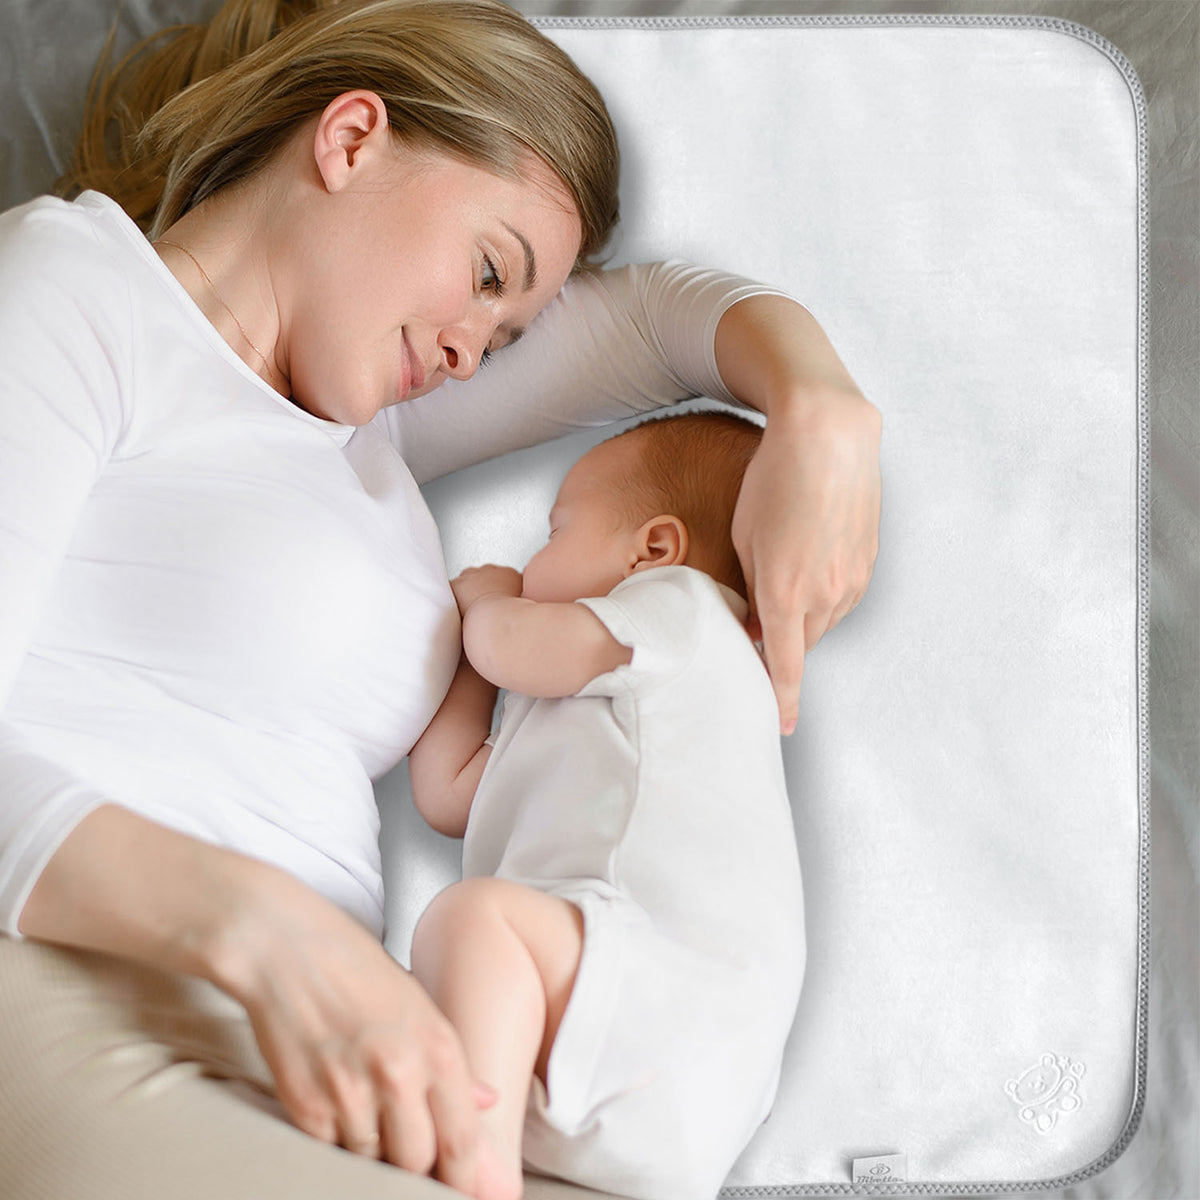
(66, 317)
(70, 242)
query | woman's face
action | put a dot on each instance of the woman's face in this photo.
(408, 276)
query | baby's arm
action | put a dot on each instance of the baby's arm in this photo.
(535, 648)
(445, 766)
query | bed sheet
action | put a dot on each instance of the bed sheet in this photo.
(959, 202)
(47, 47)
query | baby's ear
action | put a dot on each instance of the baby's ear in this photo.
(661, 542)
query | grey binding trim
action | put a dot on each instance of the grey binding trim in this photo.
(1137, 96)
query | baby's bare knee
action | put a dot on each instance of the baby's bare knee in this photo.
(453, 911)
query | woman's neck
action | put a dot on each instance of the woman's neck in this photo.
(218, 251)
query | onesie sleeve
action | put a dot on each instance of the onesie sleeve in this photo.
(63, 310)
(660, 615)
(612, 345)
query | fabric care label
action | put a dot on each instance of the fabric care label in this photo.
(881, 1168)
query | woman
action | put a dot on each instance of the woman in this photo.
(224, 606)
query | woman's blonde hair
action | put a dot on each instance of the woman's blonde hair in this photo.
(691, 465)
(200, 107)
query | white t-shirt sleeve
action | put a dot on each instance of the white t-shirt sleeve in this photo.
(659, 614)
(610, 346)
(62, 313)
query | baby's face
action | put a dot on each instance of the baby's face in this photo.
(590, 549)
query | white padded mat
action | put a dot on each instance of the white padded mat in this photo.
(960, 204)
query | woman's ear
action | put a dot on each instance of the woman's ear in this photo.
(661, 542)
(352, 129)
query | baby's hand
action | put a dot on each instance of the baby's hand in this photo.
(476, 582)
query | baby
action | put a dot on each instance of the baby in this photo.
(624, 955)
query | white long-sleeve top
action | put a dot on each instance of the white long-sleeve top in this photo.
(220, 611)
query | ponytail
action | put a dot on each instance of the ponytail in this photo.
(124, 95)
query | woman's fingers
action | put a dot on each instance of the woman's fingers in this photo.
(783, 640)
(847, 605)
(310, 1111)
(789, 622)
(361, 1055)
(789, 614)
(406, 1128)
(806, 530)
(368, 1145)
(417, 1109)
(357, 1108)
(457, 1127)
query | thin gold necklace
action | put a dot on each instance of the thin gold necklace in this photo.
(232, 315)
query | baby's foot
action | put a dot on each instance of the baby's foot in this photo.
(498, 1176)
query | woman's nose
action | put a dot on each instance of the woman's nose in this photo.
(463, 350)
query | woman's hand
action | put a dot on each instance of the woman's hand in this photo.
(806, 526)
(806, 529)
(360, 1054)
(477, 582)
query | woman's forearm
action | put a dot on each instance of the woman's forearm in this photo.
(773, 354)
(612, 346)
(349, 1036)
(122, 884)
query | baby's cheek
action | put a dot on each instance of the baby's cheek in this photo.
(531, 577)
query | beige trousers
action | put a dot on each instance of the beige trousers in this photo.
(119, 1081)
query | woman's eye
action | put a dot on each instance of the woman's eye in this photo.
(490, 279)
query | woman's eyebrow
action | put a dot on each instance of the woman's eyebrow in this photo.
(530, 261)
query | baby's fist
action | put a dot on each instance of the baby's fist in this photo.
(476, 582)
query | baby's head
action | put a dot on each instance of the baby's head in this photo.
(660, 494)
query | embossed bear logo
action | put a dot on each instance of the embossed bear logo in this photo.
(1046, 1090)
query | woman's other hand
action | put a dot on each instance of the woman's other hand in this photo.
(806, 526)
(360, 1054)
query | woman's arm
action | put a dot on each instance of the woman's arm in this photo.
(64, 388)
(355, 1045)
(613, 345)
(629, 341)
(806, 527)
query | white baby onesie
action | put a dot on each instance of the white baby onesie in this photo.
(655, 800)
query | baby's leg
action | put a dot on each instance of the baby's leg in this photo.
(500, 961)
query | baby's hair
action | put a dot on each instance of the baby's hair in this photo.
(691, 465)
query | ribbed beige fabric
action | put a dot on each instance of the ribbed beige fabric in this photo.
(119, 1081)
